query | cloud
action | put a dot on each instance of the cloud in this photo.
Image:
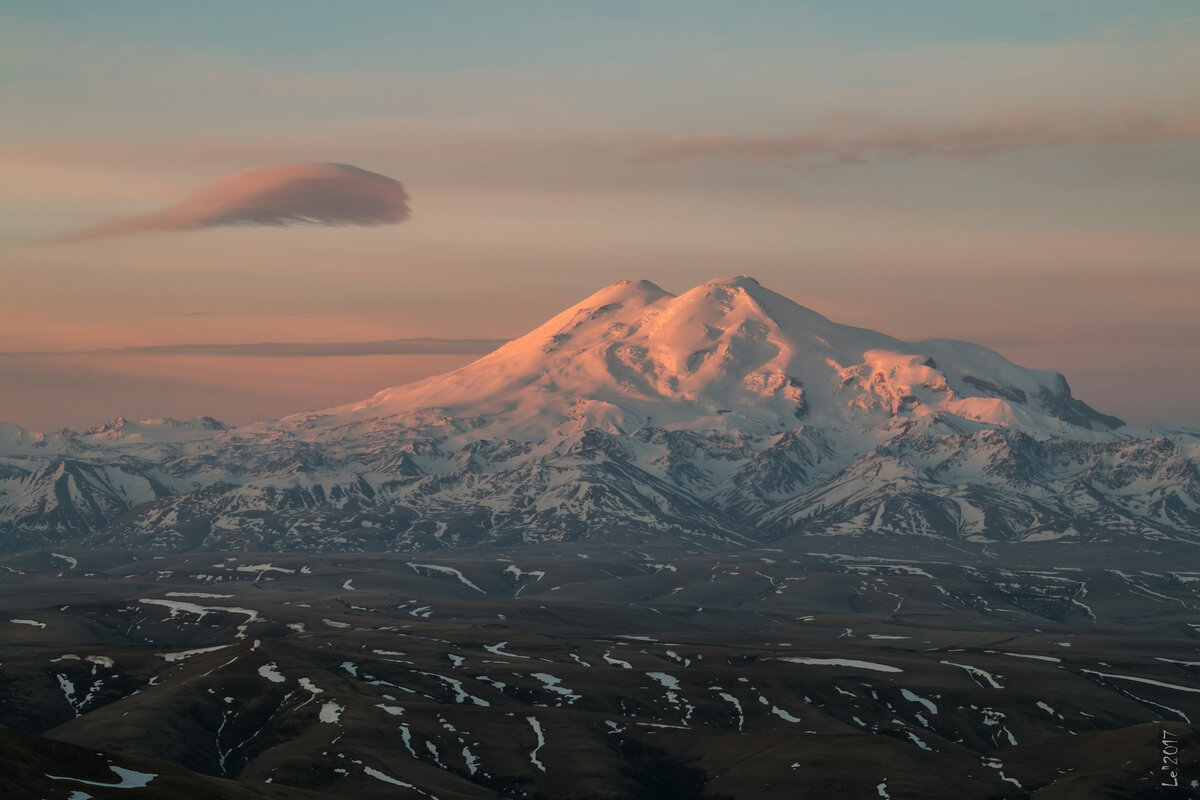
(384, 347)
(281, 195)
(1036, 129)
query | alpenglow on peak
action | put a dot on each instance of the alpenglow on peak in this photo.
(730, 351)
(727, 414)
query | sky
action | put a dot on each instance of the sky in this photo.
(1021, 175)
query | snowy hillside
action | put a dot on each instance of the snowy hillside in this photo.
(632, 355)
(724, 415)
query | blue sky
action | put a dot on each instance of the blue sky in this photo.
(58, 50)
(412, 34)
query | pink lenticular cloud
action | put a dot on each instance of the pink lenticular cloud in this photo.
(1033, 129)
(281, 195)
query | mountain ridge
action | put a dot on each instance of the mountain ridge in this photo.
(730, 346)
(725, 415)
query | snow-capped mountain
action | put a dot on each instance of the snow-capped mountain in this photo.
(725, 415)
(727, 354)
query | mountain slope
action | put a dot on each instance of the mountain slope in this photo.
(722, 416)
(632, 354)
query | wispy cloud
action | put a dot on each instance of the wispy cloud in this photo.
(281, 195)
(383, 347)
(1026, 130)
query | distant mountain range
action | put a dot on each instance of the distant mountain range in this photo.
(724, 417)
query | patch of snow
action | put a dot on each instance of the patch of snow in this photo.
(517, 572)
(271, 673)
(380, 776)
(471, 759)
(976, 671)
(616, 662)
(406, 737)
(779, 712)
(917, 741)
(1173, 661)
(68, 690)
(448, 571)
(541, 740)
(839, 662)
(498, 650)
(736, 704)
(997, 765)
(261, 569)
(395, 711)
(668, 681)
(130, 779)
(554, 684)
(915, 698)
(178, 606)
(1051, 659)
(1149, 681)
(461, 694)
(331, 712)
(1047, 709)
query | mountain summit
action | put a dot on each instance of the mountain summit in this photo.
(723, 417)
(633, 354)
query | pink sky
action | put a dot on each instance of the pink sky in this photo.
(979, 176)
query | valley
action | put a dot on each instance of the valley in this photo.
(565, 671)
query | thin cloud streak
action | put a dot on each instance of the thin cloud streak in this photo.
(384, 347)
(1035, 129)
(276, 196)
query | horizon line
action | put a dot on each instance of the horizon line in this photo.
(410, 346)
